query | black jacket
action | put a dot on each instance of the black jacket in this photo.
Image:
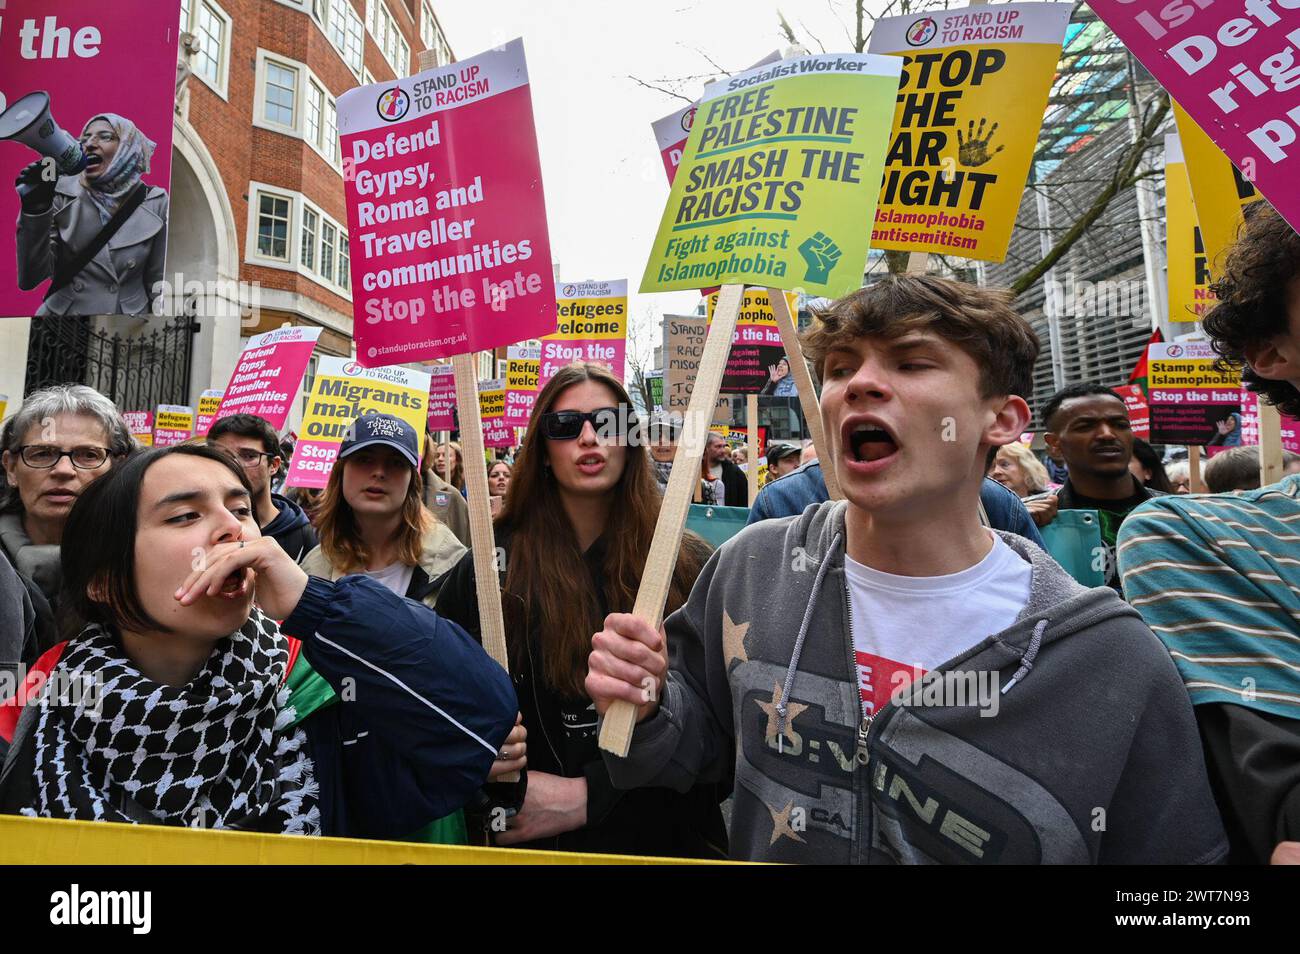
(735, 484)
(562, 741)
(291, 528)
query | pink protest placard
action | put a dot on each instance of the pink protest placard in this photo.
(1250, 426)
(1230, 65)
(447, 221)
(63, 65)
(268, 374)
(442, 397)
(1139, 415)
(141, 425)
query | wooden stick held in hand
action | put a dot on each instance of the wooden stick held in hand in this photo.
(620, 719)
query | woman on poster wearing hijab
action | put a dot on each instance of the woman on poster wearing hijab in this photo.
(62, 220)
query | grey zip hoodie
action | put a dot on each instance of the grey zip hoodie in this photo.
(1088, 751)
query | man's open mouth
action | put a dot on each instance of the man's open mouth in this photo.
(869, 442)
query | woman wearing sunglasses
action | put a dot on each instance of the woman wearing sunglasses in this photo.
(62, 440)
(575, 530)
(182, 702)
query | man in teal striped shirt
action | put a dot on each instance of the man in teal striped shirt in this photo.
(1217, 577)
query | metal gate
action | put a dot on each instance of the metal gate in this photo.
(138, 372)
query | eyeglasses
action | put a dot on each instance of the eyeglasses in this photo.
(247, 456)
(98, 137)
(608, 422)
(44, 456)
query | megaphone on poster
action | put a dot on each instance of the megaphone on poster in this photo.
(29, 121)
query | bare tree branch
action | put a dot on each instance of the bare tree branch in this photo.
(1125, 175)
(786, 30)
(659, 89)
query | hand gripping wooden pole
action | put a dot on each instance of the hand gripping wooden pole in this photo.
(483, 545)
(620, 719)
(812, 411)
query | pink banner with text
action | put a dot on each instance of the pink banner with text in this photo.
(106, 72)
(1235, 69)
(446, 216)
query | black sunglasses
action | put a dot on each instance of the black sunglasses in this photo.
(608, 422)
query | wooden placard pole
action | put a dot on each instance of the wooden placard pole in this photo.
(487, 584)
(917, 263)
(1194, 470)
(620, 719)
(751, 468)
(812, 411)
(447, 457)
(1270, 445)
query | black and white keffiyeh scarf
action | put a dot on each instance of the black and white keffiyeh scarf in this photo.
(219, 752)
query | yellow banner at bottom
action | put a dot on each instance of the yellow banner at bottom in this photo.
(48, 841)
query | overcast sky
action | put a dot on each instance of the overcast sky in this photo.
(605, 183)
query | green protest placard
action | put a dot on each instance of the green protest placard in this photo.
(780, 173)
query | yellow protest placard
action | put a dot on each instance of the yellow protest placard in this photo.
(1189, 273)
(591, 326)
(49, 841)
(779, 171)
(342, 391)
(1219, 191)
(975, 85)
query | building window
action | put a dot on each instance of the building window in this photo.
(211, 27)
(389, 38)
(327, 239)
(273, 227)
(431, 35)
(345, 263)
(315, 107)
(281, 92)
(342, 26)
(309, 229)
(356, 41)
(330, 146)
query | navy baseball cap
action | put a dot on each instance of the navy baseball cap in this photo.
(386, 429)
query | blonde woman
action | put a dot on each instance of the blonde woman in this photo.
(1016, 468)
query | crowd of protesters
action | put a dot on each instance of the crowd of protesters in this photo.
(905, 675)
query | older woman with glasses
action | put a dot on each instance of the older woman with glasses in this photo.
(61, 441)
(61, 221)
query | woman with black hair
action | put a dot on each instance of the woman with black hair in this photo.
(376, 719)
(1146, 466)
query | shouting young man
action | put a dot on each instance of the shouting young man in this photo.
(883, 679)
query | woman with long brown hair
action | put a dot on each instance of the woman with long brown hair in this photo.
(575, 531)
(372, 520)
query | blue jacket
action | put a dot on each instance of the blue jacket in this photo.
(422, 711)
(798, 490)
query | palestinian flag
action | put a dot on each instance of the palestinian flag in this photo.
(1139, 375)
